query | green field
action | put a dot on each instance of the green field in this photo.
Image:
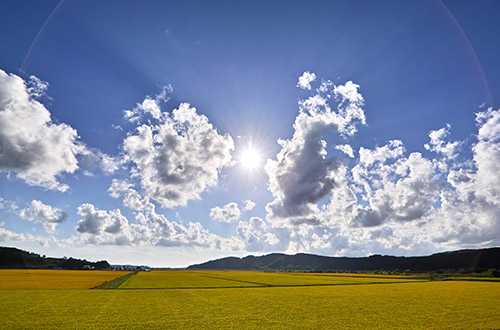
(252, 300)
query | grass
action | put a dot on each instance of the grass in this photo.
(225, 300)
(179, 279)
(114, 284)
(227, 279)
(423, 305)
(465, 278)
(40, 279)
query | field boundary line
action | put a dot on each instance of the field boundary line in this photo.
(114, 284)
(274, 286)
(486, 279)
(234, 280)
(363, 276)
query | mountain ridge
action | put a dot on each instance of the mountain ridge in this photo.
(14, 258)
(466, 260)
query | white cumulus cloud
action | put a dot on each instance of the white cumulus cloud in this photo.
(147, 228)
(35, 148)
(401, 191)
(347, 149)
(256, 235)
(227, 213)
(179, 157)
(389, 200)
(45, 214)
(428, 207)
(470, 209)
(10, 236)
(439, 144)
(37, 87)
(305, 80)
(248, 205)
(32, 146)
(98, 221)
(302, 174)
(149, 105)
(131, 197)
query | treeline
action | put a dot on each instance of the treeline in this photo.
(465, 261)
(15, 258)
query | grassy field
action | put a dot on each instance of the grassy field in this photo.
(180, 299)
(30, 279)
(222, 279)
(179, 279)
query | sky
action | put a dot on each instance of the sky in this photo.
(169, 133)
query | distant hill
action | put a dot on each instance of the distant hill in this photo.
(463, 260)
(15, 258)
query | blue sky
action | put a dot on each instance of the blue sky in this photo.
(149, 132)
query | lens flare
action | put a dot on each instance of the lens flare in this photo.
(250, 158)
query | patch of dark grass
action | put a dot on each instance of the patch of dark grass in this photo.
(114, 284)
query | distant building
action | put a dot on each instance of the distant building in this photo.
(130, 268)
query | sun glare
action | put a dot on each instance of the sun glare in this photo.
(250, 158)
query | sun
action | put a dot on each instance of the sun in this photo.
(250, 158)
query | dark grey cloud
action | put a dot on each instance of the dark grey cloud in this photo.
(302, 174)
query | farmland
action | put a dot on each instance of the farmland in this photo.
(250, 300)
(54, 279)
(215, 279)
